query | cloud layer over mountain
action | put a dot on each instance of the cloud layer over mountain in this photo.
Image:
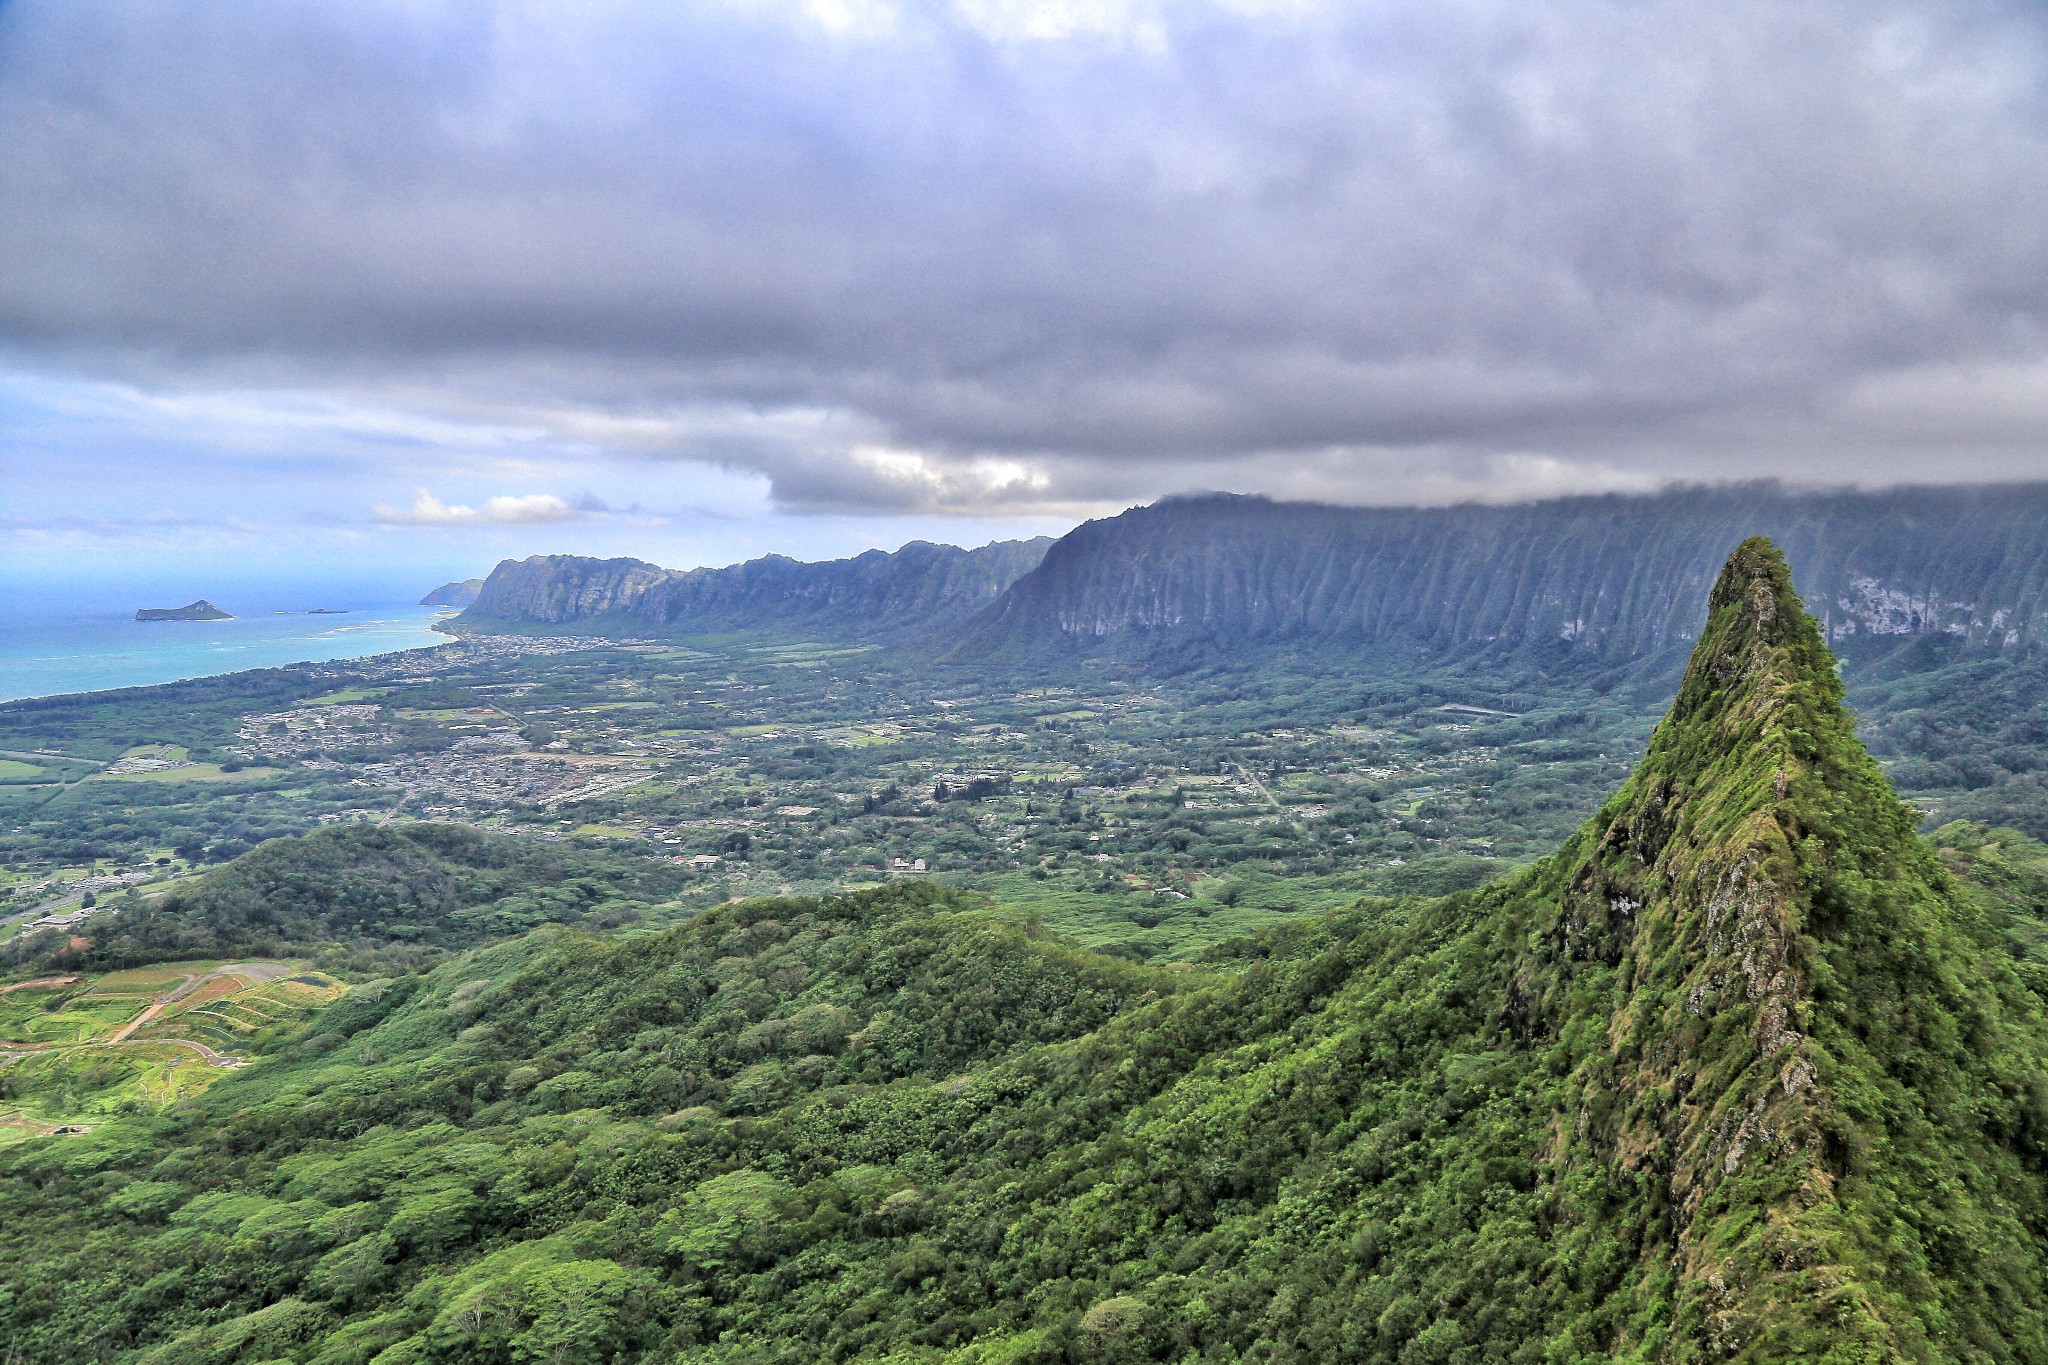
(1000, 255)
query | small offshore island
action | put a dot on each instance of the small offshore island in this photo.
(202, 610)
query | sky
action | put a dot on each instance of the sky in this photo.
(376, 294)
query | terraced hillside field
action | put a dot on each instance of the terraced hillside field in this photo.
(75, 1050)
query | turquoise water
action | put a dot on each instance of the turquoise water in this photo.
(43, 656)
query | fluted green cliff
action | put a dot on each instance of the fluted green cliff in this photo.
(916, 590)
(1603, 579)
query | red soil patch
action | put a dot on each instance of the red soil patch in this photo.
(42, 983)
(211, 989)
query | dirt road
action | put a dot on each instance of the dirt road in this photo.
(254, 972)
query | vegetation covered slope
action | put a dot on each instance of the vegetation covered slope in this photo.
(375, 898)
(1741, 1073)
(2009, 872)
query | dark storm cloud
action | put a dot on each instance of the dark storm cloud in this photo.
(1005, 254)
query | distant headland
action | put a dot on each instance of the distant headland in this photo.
(202, 610)
(454, 594)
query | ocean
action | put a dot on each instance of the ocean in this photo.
(44, 656)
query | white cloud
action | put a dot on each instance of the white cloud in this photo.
(939, 484)
(527, 509)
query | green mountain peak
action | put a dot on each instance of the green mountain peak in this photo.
(1793, 987)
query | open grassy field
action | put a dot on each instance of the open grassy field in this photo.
(170, 753)
(84, 1086)
(64, 1015)
(154, 977)
(193, 772)
(346, 694)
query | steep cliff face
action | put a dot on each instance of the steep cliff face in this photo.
(460, 593)
(554, 589)
(918, 588)
(1609, 577)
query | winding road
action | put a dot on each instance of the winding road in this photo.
(253, 972)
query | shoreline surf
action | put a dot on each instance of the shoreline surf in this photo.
(101, 651)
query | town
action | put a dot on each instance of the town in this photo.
(1120, 805)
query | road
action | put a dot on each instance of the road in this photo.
(28, 756)
(186, 984)
(33, 912)
(67, 900)
(219, 1059)
(249, 971)
(1273, 800)
(54, 789)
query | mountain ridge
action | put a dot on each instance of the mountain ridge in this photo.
(1730, 881)
(1616, 577)
(1605, 579)
(920, 587)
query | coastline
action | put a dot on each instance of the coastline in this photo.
(99, 652)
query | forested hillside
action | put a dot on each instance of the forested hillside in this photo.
(367, 897)
(1742, 1072)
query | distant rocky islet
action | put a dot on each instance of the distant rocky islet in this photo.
(201, 610)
